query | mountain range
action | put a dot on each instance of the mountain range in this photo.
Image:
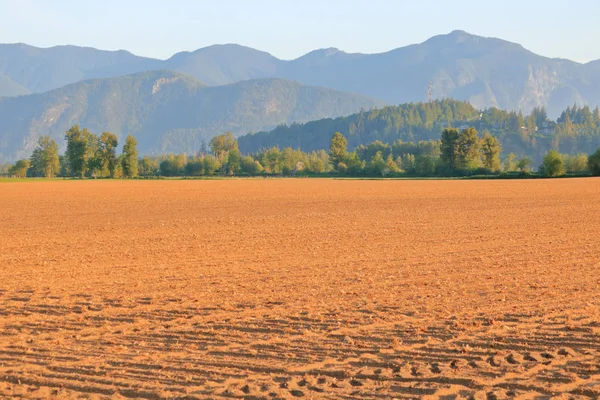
(167, 111)
(487, 72)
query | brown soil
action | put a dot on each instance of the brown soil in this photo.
(291, 288)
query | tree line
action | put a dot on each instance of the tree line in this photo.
(456, 153)
(87, 155)
(576, 131)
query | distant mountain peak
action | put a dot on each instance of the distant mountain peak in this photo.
(321, 56)
(327, 52)
(454, 37)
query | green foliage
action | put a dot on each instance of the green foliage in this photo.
(377, 165)
(338, 148)
(130, 158)
(424, 165)
(341, 168)
(79, 150)
(250, 166)
(318, 161)
(553, 164)
(449, 149)
(234, 160)
(4, 168)
(509, 163)
(45, 159)
(221, 145)
(19, 169)
(594, 162)
(491, 149)
(355, 166)
(468, 150)
(409, 163)
(576, 164)
(174, 165)
(407, 122)
(368, 151)
(194, 167)
(531, 135)
(391, 164)
(211, 165)
(107, 153)
(524, 164)
(146, 166)
(460, 150)
(119, 168)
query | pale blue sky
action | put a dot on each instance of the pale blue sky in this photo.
(290, 28)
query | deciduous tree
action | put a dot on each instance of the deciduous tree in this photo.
(594, 163)
(234, 159)
(448, 149)
(108, 152)
(19, 169)
(45, 158)
(78, 150)
(524, 164)
(576, 164)
(221, 145)
(468, 144)
(491, 148)
(338, 149)
(130, 157)
(553, 164)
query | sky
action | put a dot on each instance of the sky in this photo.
(290, 28)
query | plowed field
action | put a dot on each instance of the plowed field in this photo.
(300, 288)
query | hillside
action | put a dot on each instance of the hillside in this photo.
(8, 87)
(487, 72)
(576, 131)
(224, 64)
(166, 111)
(484, 71)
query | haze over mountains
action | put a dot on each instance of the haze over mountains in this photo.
(167, 111)
(484, 71)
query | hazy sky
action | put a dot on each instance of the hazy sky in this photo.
(290, 28)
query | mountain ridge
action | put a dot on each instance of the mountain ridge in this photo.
(488, 72)
(167, 111)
